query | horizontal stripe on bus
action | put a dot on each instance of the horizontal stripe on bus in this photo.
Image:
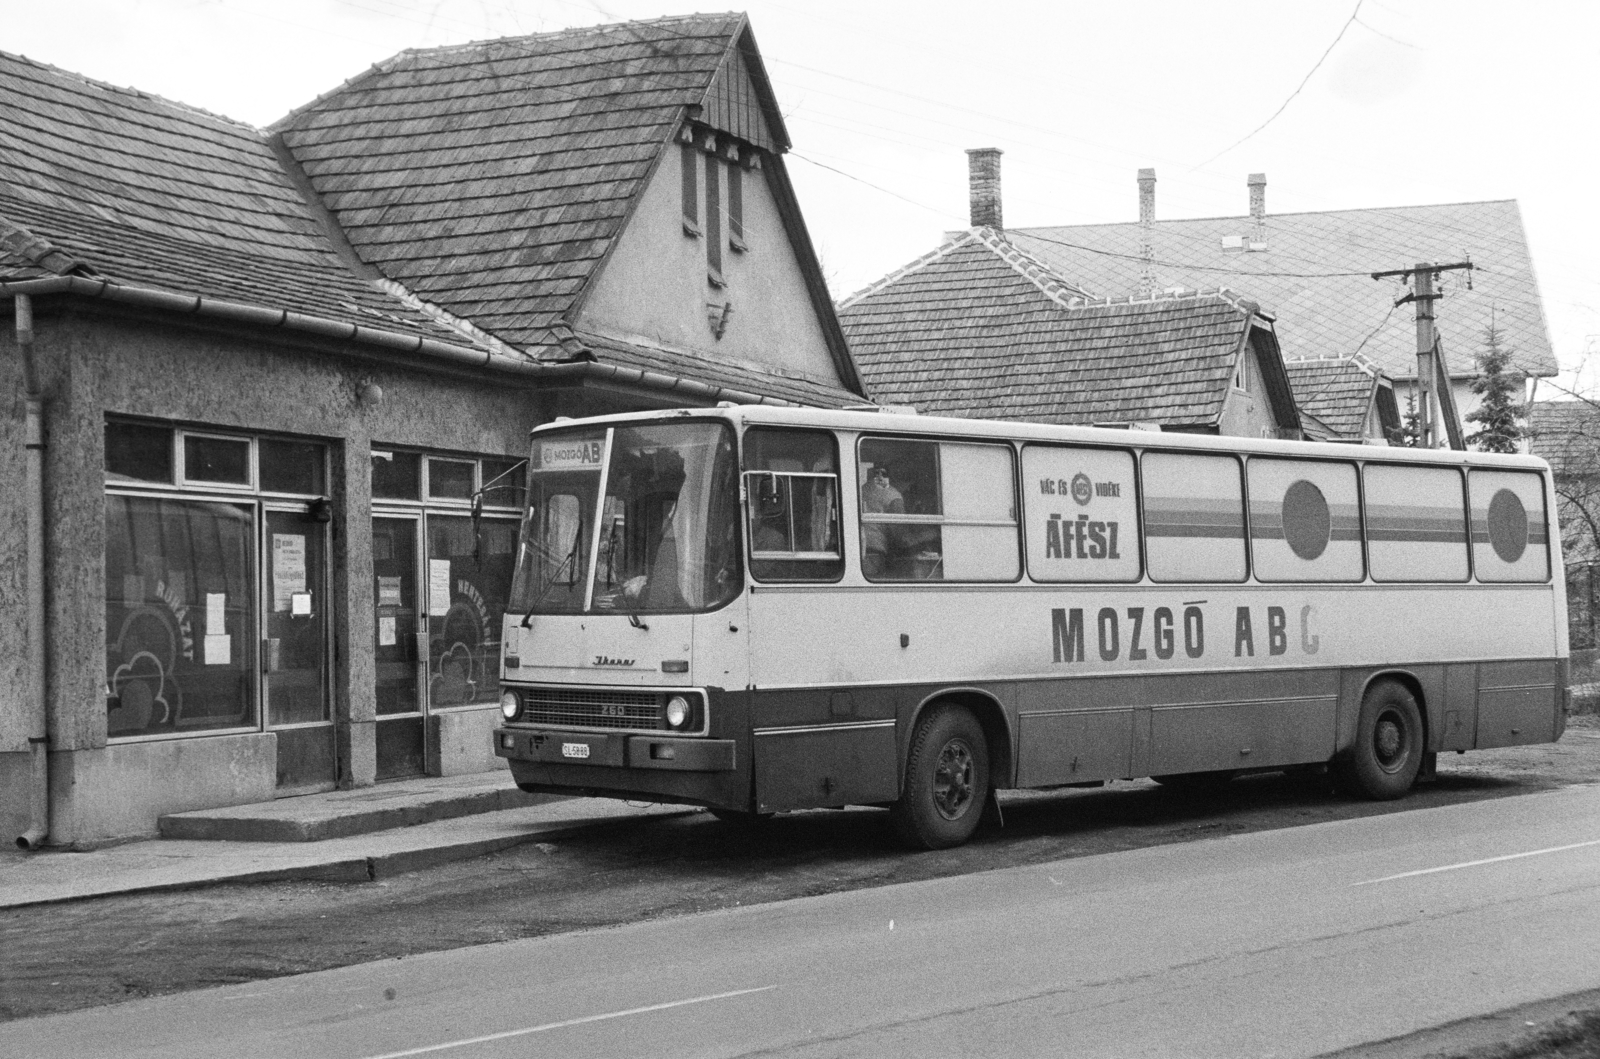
(1418, 536)
(1191, 529)
(1536, 535)
(1275, 533)
(806, 729)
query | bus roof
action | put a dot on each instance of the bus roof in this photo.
(880, 422)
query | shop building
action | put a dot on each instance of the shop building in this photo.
(271, 391)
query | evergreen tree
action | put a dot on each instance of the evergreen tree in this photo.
(1499, 386)
(1409, 433)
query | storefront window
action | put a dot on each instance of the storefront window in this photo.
(216, 603)
(180, 615)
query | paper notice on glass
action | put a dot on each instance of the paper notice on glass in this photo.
(216, 613)
(386, 630)
(219, 650)
(438, 587)
(388, 591)
(288, 568)
(300, 605)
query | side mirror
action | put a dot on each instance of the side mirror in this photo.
(769, 492)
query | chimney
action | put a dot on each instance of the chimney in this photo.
(1147, 196)
(1258, 197)
(1147, 220)
(983, 186)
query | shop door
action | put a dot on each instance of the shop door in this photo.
(396, 594)
(294, 648)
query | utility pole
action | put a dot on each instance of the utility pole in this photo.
(1430, 369)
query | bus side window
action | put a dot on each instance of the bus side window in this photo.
(1510, 541)
(937, 511)
(1193, 517)
(1416, 523)
(792, 489)
(1305, 520)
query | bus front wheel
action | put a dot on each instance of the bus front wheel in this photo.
(1388, 749)
(946, 781)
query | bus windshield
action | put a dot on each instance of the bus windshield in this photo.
(664, 539)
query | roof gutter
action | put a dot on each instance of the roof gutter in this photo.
(338, 330)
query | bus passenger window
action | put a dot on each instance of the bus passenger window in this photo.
(1416, 523)
(1509, 538)
(1083, 514)
(1305, 520)
(937, 511)
(1193, 517)
(792, 486)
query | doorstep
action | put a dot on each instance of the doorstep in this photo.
(340, 814)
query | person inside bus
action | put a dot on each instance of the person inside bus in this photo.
(878, 496)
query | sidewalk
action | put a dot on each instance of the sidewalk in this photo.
(348, 836)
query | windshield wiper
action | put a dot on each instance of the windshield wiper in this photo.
(550, 582)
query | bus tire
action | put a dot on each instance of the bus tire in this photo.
(1388, 749)
(946, 782)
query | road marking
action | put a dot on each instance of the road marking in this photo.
(569, 1022)
(1476, 863)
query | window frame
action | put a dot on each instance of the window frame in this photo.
(1009, 446)
(748, 509)
(1238, 458)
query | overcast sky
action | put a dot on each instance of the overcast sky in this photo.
(1419, 102)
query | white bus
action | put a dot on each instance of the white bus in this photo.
(766, 609)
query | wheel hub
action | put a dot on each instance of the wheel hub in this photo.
(952, 780)
(1389, 740)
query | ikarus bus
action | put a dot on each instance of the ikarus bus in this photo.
(763, 609)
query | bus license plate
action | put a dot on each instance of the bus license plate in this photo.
(574, 749)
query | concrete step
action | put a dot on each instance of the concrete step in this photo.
(340, 814)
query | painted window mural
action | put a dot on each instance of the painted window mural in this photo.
(1416, 523)
(1510, 541)
(1305, 521)
(1194, 517)
(180, 623)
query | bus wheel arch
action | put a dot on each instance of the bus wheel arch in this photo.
(1391, 738)
(991, 717)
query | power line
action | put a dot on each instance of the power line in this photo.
(1342, 31)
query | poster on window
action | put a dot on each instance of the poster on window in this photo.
(438, 587)
(288, 569)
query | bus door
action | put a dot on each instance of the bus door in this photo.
(814, 743)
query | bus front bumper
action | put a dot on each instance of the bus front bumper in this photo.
(615, 750)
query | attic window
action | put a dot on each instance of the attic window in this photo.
(714, 221)
(735, 200)
(691, 190)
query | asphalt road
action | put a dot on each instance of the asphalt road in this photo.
(1292, 942)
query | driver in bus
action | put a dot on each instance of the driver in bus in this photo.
(878, 496)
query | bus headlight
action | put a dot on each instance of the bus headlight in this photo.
(678, 711)
(510, 705)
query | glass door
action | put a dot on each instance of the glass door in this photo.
(397, 595)
(294, 646)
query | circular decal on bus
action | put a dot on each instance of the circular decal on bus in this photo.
(1508, 526)
(1306, 522)
(1082, 488)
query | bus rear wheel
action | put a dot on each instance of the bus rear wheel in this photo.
(946, 782)
(1388, 749)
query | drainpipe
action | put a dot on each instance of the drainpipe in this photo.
(38, 724)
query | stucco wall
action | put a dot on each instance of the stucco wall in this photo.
(1248, 413)
(654, 285)
(95, 363)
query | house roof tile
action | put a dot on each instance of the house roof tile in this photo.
(1314, 275)
(1567, 433)
(492, 178)
(1337, 391)
(972, 327)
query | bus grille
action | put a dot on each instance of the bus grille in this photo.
(585, 708)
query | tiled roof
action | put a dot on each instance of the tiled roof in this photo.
(751, 378)
(1567, 433)
(491, 178)
(1337, 391)
(969, 331)
(1315, 275)
(144, 192)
